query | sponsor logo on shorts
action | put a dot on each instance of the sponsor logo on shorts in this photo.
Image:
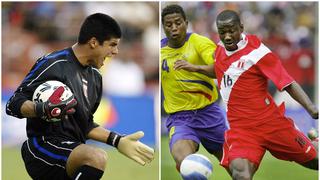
(308, 149)
(300, 141)
(171, 132)
(67, 142)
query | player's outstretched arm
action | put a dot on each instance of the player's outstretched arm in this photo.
(207, 70)
(297, 93)
(128, 145)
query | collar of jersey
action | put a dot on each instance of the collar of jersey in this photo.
(241, 44)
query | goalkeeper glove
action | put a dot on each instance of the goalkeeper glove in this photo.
(131, 147)
(55, 109)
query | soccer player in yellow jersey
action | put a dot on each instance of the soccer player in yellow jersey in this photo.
(188, 88)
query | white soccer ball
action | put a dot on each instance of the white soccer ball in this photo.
(46, 89)
(196, 167)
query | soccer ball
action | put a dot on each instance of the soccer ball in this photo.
(45, 90)
(196, 167)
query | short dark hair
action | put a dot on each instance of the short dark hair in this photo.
(228, 14)
(100, 26)
(171, 9)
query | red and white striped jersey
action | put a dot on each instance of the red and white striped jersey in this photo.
(243, 79)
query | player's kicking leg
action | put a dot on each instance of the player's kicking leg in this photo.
(242, 169)
(243, 153)
(313, 136)
(181, 149)
(212, 139)
(313, 164)
(86, 162)
(294, 146)
(190, 128)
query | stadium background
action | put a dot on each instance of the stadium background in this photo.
(130, 101)
(290, 29)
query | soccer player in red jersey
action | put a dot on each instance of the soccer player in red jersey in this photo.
(243, 66)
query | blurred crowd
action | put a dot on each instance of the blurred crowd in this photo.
(287, 28)
(33, 29)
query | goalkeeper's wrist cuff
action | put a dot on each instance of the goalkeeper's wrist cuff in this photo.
(114, 139)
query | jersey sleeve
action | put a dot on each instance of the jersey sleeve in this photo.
(205, 47)
(92, 124)
(41, 71)
(270, 65)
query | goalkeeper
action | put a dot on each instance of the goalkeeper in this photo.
(56, 150)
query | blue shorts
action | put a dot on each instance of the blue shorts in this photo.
(205, 126)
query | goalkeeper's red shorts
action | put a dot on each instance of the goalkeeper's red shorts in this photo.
(279, 136)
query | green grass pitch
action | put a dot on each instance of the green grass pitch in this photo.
(270, 168)
(121, 168)
(118, 168)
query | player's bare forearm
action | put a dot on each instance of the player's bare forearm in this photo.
(99, 134)
(207, 70)
(28, 109)
(297, 93)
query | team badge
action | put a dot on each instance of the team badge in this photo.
(241, 63)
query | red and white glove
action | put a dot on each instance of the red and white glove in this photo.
(55, 109)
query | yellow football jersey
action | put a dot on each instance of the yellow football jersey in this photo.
(184, 90)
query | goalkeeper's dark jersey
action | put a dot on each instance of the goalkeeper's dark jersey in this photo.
(84, 81)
